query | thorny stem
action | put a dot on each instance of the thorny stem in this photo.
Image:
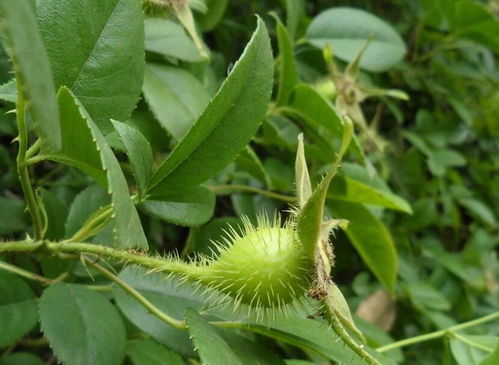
(440, 333)
(223, 188)
(25, 273)
(338, 328)
(178, 324)
(22, 169)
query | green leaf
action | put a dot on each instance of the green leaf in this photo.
(18, 309)
(312, 335)
(8, 91)
(474, 21)
(85, 147)
(169, 39)
(32, 68)
(478, 209)
(56, 213)
(425, 296)
(311, 216)
(347, 31)
(249, 161)
(20, 358)
(315, 109)
(212, 348)
(12, 216)
(342, 309)
(175, 97)
(82, 326)
(228, 122)
(83, 206)
(96, 49)
(216, 10)
(288, 76)
(147, 352)
(354, 191)
(371, 239)
(166, 295)
(138, 151)
(471, 350)
(491, 359)
(295, 10)
(203, 240)
(190, 208)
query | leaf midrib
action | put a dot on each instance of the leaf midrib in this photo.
(118, 2)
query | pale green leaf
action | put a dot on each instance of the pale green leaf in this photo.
(8, 91)
(169, 39)
(303, 184)
(175, 97)
(347, 31)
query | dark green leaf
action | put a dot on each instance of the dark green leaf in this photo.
(166, 295)
(216, 10)
(96, 49)
(84, 147)
(228, 122)
(32, 68)
(82, 326)
(250, 162)
(84, 204)
(347, 31)
(192, 207)
(138, 151)
(371, 239)
(12, 217)
(312, 335)
(18, 308)
(212, 348)
(148, 352)
(20, 358)
(288, 76)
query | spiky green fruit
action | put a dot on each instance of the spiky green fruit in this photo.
(264, 268)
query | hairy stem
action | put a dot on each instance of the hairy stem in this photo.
(178, 324)
(338, 328)
(22, 169)
(25, 273)
(20, 246)
(440, 333)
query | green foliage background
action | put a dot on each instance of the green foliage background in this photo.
(162, 124)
